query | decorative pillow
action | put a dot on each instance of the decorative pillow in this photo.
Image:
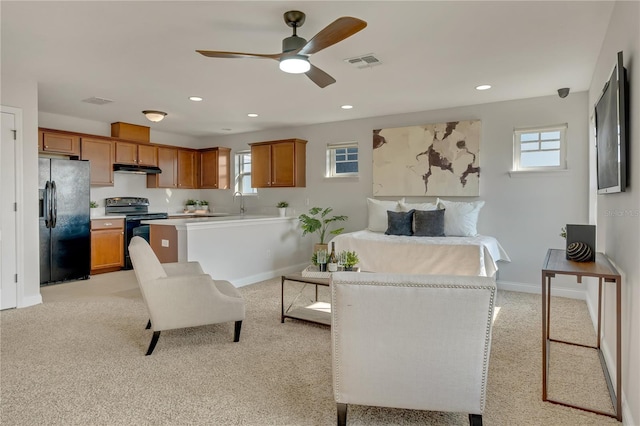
(429, 223)
(461, 218)
(377, 210)
(405, 207)
(400, 223)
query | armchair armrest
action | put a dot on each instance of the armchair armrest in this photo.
(182, 268)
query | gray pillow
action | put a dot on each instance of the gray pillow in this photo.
(429, 223)
(400, 223)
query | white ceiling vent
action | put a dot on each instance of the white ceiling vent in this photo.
(97, 101)
(364, 61)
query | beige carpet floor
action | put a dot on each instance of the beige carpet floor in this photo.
(78, 359)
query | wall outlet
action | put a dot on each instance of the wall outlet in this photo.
(165, 243)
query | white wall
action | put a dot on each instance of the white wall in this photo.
(618, 233)
(19, 91)
(525, 213)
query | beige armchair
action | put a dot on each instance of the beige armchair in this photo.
(180, 295)
(411, 341)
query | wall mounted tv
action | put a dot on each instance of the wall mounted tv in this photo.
(611, 116)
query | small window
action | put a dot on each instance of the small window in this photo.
(243, 173)
(540, 148)
(342, 159)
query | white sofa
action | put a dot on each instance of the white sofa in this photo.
(411, 341)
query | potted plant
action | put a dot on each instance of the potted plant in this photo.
(350, 260)
(191, 205)
(282, 208)
(319, 221)
(203, 206)
(93, 206)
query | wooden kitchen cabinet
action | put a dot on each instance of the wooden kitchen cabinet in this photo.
(107, 245)
(278, 164)
(100, 153)
(138, 154)
(187, 169)
(179, 169)
(59, 143)
(215, 168)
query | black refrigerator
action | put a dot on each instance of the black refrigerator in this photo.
(65, 244)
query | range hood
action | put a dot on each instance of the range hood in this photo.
(137, 169)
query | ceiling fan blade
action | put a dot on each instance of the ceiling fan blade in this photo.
(216, 54)
(320, 77)
(333, 33)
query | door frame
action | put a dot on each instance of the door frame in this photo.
(18, 161)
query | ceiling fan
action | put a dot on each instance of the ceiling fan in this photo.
(296, 50)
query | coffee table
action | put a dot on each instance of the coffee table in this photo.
(317, 312)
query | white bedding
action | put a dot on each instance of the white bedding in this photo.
(424, 255)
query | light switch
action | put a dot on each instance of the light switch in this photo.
(165, 243)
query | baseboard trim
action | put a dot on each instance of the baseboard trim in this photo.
(537, 289)
(269, 274)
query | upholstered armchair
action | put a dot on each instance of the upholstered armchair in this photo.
(180, 295)
(411, 341)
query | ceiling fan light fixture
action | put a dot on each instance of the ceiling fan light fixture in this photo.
(154, 116)
(296, 64)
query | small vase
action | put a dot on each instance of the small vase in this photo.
(94, 211)
(282, 211)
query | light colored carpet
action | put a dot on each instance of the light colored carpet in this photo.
(78, 359)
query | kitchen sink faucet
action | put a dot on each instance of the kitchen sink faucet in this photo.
(241, 201)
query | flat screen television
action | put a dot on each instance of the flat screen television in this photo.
(611, 117)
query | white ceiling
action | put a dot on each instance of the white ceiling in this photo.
(142, 56)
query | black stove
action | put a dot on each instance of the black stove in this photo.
(135, 210)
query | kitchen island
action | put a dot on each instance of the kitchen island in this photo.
(243, 249)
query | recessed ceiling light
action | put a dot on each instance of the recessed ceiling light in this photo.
(195, 98)
(252, 114)
(346, 106)
(483, 87)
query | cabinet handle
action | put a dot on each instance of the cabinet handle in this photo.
(107, 224)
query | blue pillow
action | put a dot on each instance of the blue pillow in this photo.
(400, 223)
(429, 223)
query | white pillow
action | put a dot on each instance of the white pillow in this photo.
(377, 210)
(405, 207)
(461, 218)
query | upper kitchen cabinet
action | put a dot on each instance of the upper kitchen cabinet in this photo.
(138, 154)
(215, 168)
(178, 169)
(100, 153)
(278, 164)
(59, 143)
(187, 169)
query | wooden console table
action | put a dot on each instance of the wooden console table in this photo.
(556, 263)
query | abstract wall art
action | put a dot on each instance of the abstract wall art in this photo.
(429, 160)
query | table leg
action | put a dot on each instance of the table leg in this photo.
(282, 300)
(545, 335)
(619, 349)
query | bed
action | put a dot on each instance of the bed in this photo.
(424, 255)
(424, 238)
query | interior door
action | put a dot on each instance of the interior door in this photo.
(8, 219)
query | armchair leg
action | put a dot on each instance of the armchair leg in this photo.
(236, 334)
(154, 340)
(342, 414)
(148, 325)
(475, 419)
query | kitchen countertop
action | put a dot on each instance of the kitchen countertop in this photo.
(193, 222)
(111, 216)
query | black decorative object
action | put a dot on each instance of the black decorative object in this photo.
(579, 252)
(584, 234)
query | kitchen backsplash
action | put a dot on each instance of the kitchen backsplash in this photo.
(173, 200)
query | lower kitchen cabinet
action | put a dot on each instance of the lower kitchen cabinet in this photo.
(107, 245)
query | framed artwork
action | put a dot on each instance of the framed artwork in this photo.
(429, 160)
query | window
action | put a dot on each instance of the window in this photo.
(243, 173)
(540, 148)
(342, 159)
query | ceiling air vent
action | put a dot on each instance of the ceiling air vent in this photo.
(364, 61)
(97, 101)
